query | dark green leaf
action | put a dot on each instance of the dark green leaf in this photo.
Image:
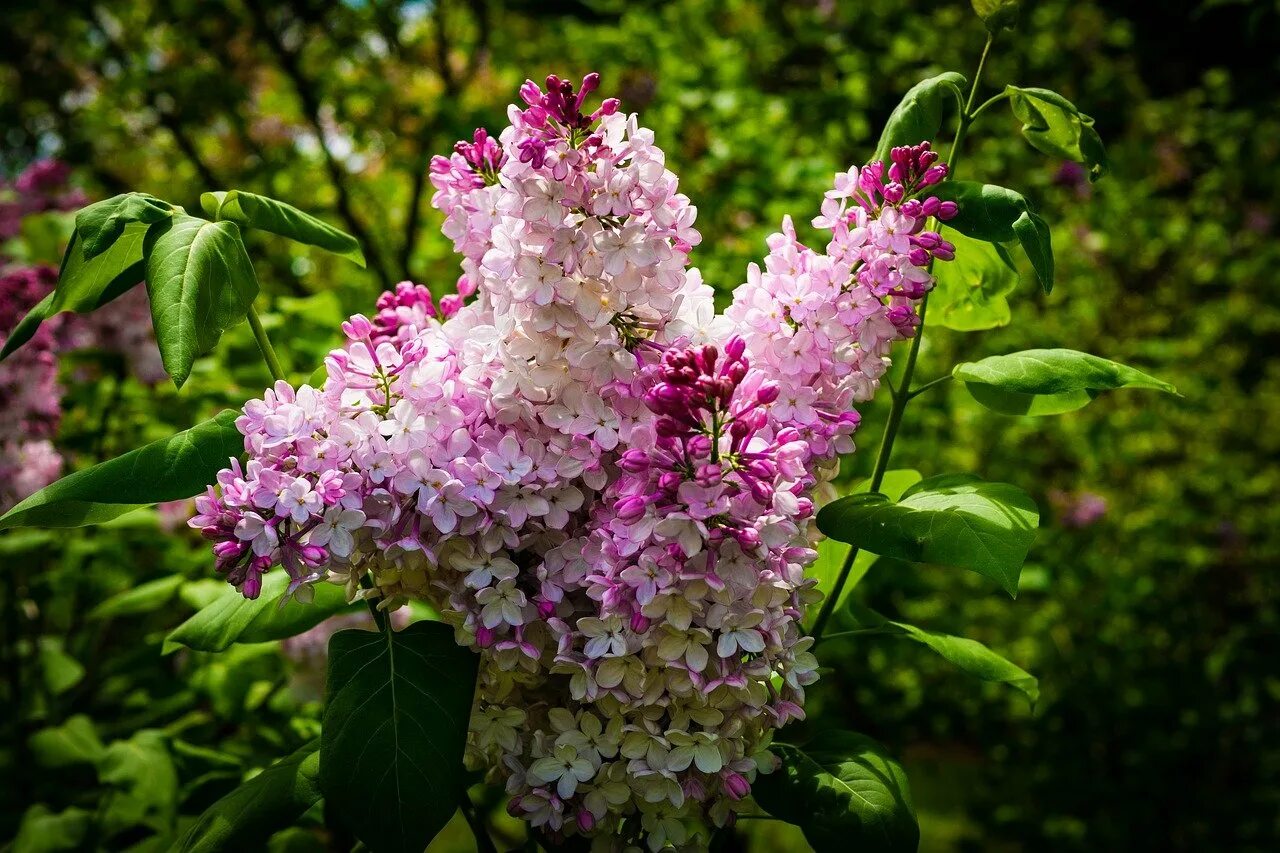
(918, 117)
(844, 791)
(43, 831)
(231, 618)
(200, 282)
(144, 598)
(969, 655)
(971, 290)
(74, 742)
(1000, 215)
(393, 733)
(267, 214)
(998, 14)
(1048, 381)
(245, 818)
(954, 519)
(170, 469)
(59, 670)
(831, 553)
(1054, 125)
(144, 783)
(100, 224)
(1033, 234)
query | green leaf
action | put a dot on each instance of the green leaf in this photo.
(393, 733)
(87, 283)
(43, 831)
(169, 469)
(831, 553)
(266, 214)
(919, 115)
(1033, 234)
(144, 783)
(100, 224)
(969, 655)
(231, 618)
(60, 670)
(1054, 125)
(144, 598)
(971, 290)
(74, 742)
(844, 791)
(1048, 381)
(200, 282)
(954, 520)
(28, 325)
(245, 818)
(998, 14)
(1000, 215)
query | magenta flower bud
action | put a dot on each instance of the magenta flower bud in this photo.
(450, 304)
(933, 175)
(313, 555)
(252, 586)
(609, 107)
(739, 430)
(546, 608)
(762, 492)
(945, 251)
(668, 428)
(639, 622)
(513, 807)
(484, 637)
(893, 192)
(670, 481)
(586, 820)
(357, 327)
(735, 347)
(634, 461)
(629, 508)
(947, 210)
(918, 256)
(699, 445)
(768, 392)
(736, 373)
(227, 550)
(912, 207)
(748, 537)
(736, 785)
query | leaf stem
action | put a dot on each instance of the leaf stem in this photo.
(916, 392)
(906, 393)
(484, 844)
(379, 618)
(264, 344)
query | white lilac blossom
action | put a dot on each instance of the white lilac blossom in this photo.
(605, 487)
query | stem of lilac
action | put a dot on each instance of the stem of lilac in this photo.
(906, 394)
(916, 392)
(379, 618)
(264, 344)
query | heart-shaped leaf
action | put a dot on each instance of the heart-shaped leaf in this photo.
(266, 214)
(1052, 124)
(393, 733)
(231, 618)
(200, 282)
(969, 655)
(844, 791)
(101, 223)
(1000, 215)
(170, 469)
(998, 14)
(971, 290)
(918, 117)
(1048, 381)
(954, 520)
(245, 818)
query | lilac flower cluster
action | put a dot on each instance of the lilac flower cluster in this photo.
(604, 486)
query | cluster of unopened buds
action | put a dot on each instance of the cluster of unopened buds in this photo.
(601, 483)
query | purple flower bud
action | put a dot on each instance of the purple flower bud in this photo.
(735, 347)
(484, 637)
(947, 210)
(634, 461)
(768, 392)
(546, 608)
(629, 508)
(586, 820)
(252, 586)
(639, 622)
(736, 785)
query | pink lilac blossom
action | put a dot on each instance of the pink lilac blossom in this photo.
(605, 487)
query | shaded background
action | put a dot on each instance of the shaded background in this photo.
(1149, 605)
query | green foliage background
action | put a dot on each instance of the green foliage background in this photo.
(1153, 630)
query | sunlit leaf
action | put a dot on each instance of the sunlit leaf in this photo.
(267, 214)
(918, 117)
(971, 290)
(1048, 381)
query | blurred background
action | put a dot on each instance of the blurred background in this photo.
(1150, 605)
